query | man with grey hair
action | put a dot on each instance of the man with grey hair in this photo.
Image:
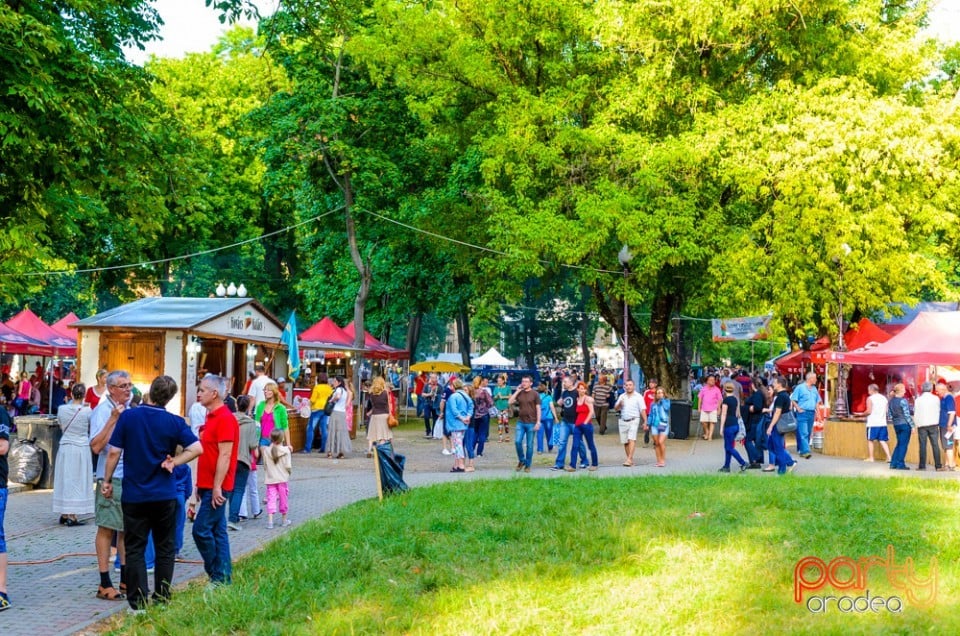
(216, 469)
(926, 415)
(108, 512)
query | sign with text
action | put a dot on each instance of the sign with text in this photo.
(749, 328)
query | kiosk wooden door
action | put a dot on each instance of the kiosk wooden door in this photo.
(140, 354)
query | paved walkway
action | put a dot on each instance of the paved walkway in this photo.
(53, 576)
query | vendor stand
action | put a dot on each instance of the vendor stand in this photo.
(915, 355)
(183, 338)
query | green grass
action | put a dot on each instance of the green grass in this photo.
(595, 556)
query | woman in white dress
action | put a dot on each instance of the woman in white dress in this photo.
(339, 443)
(72, 485)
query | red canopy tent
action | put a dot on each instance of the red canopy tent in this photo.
(932, 338)
(374, 349)
(863, 334)
(29, 324)
(325, 335)
(798, 361)
(63, 327)
(12, 341)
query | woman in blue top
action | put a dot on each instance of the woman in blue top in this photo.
(548, 415)
(658, 421)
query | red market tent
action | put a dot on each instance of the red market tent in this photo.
(932, 338)
(326, 335)
(12, 341)
(29, 324)
(62, 326)
(374, 349)
(864, 334)
(799, 360)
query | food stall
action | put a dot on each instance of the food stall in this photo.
(183, 338)
(915, 355)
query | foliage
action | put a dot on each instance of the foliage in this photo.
(509, 556)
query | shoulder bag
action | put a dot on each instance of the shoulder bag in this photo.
(331, 402)
(787, 423)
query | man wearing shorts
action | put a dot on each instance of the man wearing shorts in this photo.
(633, 413)
(710, 398)
(109, 514)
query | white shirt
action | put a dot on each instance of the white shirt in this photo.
(631, 406)
(98, 420)
(878, 411)
(198, 417)
(256, 388)
(340, 406)
(926, 411)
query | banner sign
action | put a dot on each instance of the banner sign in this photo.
(749, 328)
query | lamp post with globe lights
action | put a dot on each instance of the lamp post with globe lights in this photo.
(840, 405)
(624, 256)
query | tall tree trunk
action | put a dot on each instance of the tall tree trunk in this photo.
(584, 329)
(413, 333)
(363, 268)
(648, 347)
(385, 332)
(463, 335)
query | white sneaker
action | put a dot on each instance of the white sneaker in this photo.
(232, 526)
(286, 523)
(447, 451)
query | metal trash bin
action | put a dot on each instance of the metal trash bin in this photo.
(680, 411)
(46, 430)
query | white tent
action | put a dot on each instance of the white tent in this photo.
(492, 358)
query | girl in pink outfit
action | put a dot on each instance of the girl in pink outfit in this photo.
(276, 466)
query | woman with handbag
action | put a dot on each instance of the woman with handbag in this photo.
(730, 417)
(339, 443)
(782, 421)
(72, 494)
(378, 410)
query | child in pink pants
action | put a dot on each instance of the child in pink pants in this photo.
(276, 466)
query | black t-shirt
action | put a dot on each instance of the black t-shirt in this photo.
(756, 401)
(4, 434)
(568, 406)
(782, 402)
(733, 409)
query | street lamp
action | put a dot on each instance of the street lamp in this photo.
(231, 290)
(840, 406)
(625, 257)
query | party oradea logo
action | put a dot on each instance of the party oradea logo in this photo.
(843, 584)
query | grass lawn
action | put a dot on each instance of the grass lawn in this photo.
(584, 555)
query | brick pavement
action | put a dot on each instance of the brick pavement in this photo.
(58, 597)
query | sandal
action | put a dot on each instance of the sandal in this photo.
(70, 523)
(628, 464)
(109, 594)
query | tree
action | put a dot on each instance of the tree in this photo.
(589, 121)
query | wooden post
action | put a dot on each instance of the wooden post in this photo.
(376, 470)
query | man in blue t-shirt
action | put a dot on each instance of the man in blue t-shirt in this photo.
(948, 416)
(148, 437)
(805, 399)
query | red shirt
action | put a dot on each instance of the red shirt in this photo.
(92, 398)
(649, 396)
(221, 426)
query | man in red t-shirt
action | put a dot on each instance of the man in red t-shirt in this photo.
(215, 472)
(649, 396)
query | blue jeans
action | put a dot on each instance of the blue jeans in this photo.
(779, 449)
(481, 431)
(730, 446)
(579, 433)
(239, 489)
(524, 432)
(317, 422)
(3, 510)
(903, 432)
(469, 442)
(210, 535)
(749, 442)
(804, 428)
(546, 429)
(566, 431)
